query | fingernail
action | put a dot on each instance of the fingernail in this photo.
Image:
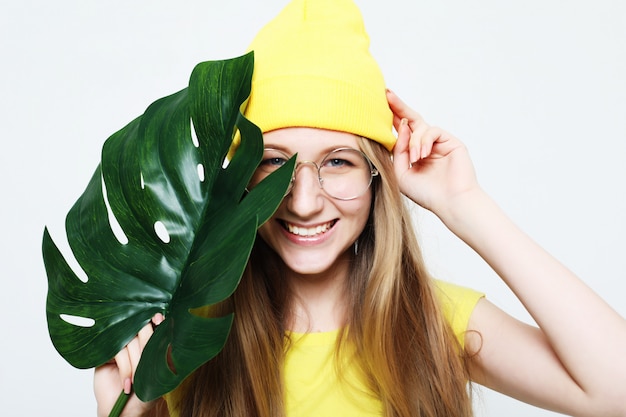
(413, 157)
(158, 319)
(127, 386)
(404, 121)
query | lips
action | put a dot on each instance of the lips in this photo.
(311, 231)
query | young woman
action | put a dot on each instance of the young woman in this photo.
(336, 313)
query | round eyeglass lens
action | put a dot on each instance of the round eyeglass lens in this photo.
(346, 173)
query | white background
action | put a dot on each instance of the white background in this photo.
(536, 89)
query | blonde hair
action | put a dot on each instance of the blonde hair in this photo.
(402, 342)
(415, 362)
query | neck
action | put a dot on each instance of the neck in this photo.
(319, 301)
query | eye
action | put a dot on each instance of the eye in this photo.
(274, 162)
(343, 159)
(337, 163)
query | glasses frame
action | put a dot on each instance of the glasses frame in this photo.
(372, 170)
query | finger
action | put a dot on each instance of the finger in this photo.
(401, 148)
(416, 143)
(401, 110)
(416, 124)
(134, 349)
(429, 138)
(158, 319)
(410, 141)
(124, 367)
(144, 335)
(396, 122)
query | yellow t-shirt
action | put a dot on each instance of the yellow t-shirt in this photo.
(312, 387)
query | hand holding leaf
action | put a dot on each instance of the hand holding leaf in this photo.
(188, 227)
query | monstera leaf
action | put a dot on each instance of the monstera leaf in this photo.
(187, 227)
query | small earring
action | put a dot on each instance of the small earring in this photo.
(356, 247)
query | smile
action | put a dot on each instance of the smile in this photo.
(308, 231)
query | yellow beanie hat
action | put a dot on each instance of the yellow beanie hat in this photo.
(313, 68)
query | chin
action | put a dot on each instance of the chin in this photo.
(316, 264)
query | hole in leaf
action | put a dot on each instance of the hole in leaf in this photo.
(194, 138)
(161, 231)
(68, 254)
(113, 223)
(170, 361)
(201, 172)
(77, 320)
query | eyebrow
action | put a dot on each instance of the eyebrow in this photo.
(323, 152)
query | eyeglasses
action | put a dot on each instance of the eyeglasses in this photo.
(344, 174)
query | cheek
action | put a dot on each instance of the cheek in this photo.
(360, 212)
(363, 218)
(270, 233)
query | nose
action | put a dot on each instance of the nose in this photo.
(305, 198)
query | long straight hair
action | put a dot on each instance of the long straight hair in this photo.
(406, 350)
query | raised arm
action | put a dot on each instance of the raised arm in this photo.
(575, 362)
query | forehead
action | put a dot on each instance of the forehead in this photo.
(306, 140)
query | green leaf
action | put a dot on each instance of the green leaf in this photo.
(158, 175)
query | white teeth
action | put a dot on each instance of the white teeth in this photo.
(308, 231)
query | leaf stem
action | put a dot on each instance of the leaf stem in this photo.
(119, 404)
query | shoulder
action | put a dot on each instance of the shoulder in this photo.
(457, 304)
